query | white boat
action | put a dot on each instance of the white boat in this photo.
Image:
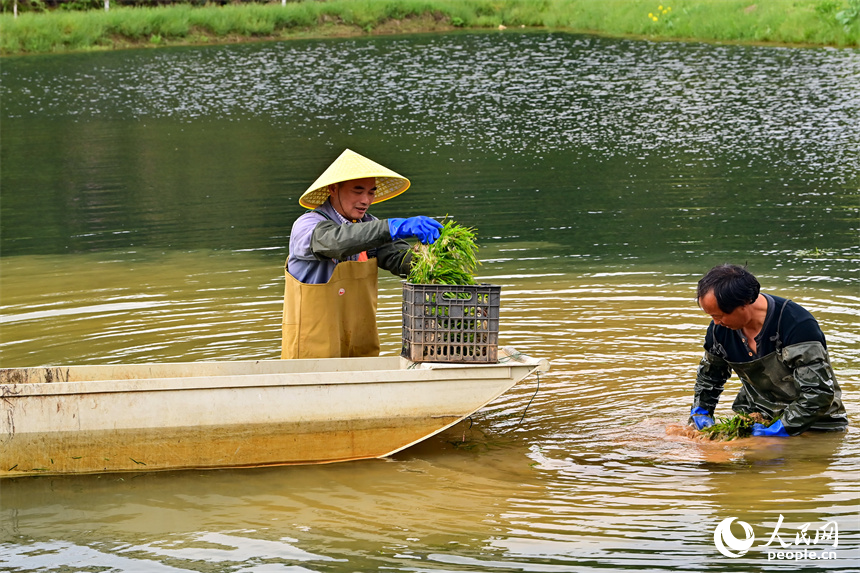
(145, 417)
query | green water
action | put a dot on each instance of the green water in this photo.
(146, 199)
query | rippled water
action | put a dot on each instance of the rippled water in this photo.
(146, 203)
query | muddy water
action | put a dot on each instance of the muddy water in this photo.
(146, 204)
(571, 471)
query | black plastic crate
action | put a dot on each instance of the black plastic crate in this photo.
(451, 323)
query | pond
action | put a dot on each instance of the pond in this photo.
(146, 199)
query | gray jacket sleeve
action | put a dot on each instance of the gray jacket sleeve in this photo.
(332, 241)
(711, 377)
(811, 368)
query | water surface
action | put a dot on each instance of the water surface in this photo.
(146, 199)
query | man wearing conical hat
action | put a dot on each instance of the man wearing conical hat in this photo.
(335, 251)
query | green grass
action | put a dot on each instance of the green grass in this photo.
(793, 22)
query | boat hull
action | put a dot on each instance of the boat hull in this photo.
(234, 414)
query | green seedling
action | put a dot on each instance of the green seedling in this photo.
(739, 426)
(450, 260)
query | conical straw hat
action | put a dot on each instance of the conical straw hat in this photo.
(350, 165)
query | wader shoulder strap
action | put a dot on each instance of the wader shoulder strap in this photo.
(777, 338)
(718, 350)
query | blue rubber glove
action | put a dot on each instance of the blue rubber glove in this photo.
(424, 228)
(774, 430)
(701, 418)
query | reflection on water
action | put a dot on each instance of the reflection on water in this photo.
(146, 202)
(510, 95)
(611, 151)
(126, 308)
(429, 509)
(570, 471)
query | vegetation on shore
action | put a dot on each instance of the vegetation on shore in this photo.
(793, 22)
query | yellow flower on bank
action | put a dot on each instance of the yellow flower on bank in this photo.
(660, 10)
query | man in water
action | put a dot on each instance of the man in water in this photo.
(776, 348)
(330, 298)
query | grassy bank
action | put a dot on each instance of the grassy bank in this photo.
(794, 22)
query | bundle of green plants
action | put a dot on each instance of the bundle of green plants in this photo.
(738, 426)
(450, 260)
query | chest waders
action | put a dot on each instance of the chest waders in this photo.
(336, 319)
(773, 388)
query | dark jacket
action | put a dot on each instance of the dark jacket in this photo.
(789, 376)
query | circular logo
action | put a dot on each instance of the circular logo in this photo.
(341, 292)
(727, 543)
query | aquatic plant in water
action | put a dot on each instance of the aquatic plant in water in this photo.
(739, 426)
(450, 260)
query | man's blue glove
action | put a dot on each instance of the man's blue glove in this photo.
(425, 228)
(701, 418)
(774, 430)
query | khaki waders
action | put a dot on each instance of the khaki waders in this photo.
(336, 319)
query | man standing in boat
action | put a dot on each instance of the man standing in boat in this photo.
(776, 348)
(335, 250)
